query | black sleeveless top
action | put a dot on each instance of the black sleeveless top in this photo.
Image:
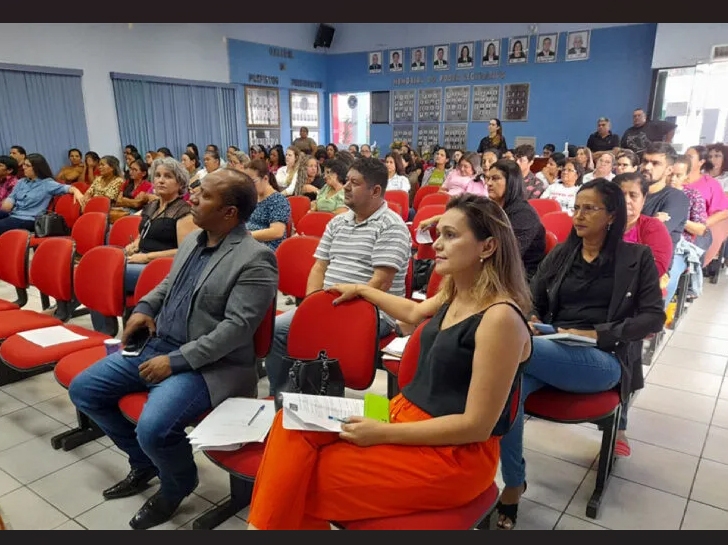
(158, 232)
(441, 383)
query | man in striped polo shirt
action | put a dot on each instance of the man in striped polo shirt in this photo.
(370, 245)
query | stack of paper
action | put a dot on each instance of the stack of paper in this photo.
(51, 336)
(396, 347)
(327, 414)
(236, 422)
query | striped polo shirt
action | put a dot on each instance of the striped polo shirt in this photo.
(353, 250)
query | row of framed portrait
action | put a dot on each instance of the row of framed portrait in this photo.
(486, 53)
(262, 108)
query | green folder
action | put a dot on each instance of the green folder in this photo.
(376, 407)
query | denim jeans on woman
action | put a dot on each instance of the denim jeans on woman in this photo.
(575, 369)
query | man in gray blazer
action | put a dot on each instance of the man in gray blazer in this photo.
(201, 320)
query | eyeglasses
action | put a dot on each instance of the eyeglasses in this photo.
(568, 170)
(587, 209)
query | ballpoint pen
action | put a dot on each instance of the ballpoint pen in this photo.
(338, 420)
(256, 415)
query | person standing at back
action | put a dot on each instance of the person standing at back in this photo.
(643, 133)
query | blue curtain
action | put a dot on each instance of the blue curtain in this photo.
(154, 114)
(43, 112)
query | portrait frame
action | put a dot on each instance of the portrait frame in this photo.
(390, 64)
(525, 42)
(371, 62)
(414, 66)
(585, 36)
(516, 102)
(497, 45)
(264, 137)
(446, 57)
(540, 57)
(471, 56)
(304, 109)
(258, 99)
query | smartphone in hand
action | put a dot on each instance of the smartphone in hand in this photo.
(137, 343)
(545, 329)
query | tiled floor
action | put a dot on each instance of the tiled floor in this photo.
(676, 478)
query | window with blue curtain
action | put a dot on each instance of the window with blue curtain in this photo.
(157, 112)
(42, 110)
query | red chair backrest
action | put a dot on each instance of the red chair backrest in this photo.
(545, 206)
(410, 357)
(70, 210)
(409, 279)
(424, 213)
(422, 193)
(98, 204)
(98, 280)
(559, 223)
(263, 337)
(15, 246)
(51, 270)
(551, 242)
(81, 186)
(152, 275)
(395, 207)
(314, 224)
(295, 261)
(356, 346)
(433, 286)
(300, 206)
(435, 199)
(124, 231)
(89, 231)
(402, 199)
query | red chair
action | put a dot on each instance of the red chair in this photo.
(81, 186)
(424, 213)
(295, 261)
(395, 207)
(603, 409)
(300, 206)
(402, 199)
(124, 231)
(551, 242)
(15, 246)
(152, 275)
(422, 193)
(68, 209)
(435, 199)
(357, 349)
(105, 297)
(98, 204)
(544, 206)
(559, 223)
(314, 224)
(89, 232)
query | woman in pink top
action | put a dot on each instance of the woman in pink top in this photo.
(8, 176)
(467, 178)
(716, 200)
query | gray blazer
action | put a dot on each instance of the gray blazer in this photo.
(234, 292)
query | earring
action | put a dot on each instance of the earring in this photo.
(482, 261)
(609, 228)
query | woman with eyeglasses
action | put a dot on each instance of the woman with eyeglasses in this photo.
(564, 192)
(595, 286)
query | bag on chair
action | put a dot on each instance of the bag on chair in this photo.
(51, 225)
(319, 377)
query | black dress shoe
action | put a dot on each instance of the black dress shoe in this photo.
(135, 483)
(156, 511)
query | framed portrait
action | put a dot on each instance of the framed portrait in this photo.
(396, 60)
(516, 98)
(304, 109)
(491, 52)
(418, 59)
(466, 52)
(547, 48)
(264, 137)
(375, 62)
(262, 107)
(442, 57)
(518, 50)
(578, 45)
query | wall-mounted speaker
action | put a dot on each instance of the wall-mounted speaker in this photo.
(324, 36)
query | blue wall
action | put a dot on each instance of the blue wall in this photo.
(250, 58)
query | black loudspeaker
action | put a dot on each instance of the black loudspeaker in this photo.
(324, 36)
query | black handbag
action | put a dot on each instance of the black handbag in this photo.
(51, 225)
(319, 377)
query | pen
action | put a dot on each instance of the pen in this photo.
(256, 415)
(338, 420)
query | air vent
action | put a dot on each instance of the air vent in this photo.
(720, 53)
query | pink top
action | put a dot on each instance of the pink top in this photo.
(456, 185)
(711, 190)
(7, 186)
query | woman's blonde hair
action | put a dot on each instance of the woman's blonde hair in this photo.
(291, 172)
(302, 178)
(503, 275)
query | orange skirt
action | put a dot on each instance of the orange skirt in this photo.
(308, 479)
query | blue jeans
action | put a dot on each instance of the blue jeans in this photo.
(274, 365)
(158, 440)
(133, 272)
(8, 223)
(574, 369)
(679, 266)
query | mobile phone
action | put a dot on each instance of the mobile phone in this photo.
(545, 329)
(137, 343)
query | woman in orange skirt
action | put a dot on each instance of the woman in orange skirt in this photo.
(437, 453)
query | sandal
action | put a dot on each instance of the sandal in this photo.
(622, 450)
(508, 514)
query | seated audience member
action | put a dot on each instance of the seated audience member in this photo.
(202, 319)
(585, 158)
(354, 150)
(19, 154)
(439, 445)
(230, 151)
(467, 178)
(627, 161)
(366, 151)
(238, 160)
(150, 157)
(437, 174)
(718, 158)
(258, 152)
(369, 244)
(308, 179)
(74, 170)
(321, 156)
(597, 286)
(604, 167)
(8, 176)
(548, 151)
(331, 197)
(212, 163)
(166, 220)
(109, 182)
(395, 170)
(277, 159)
(346, 157)
(304, 142)
(269, 221)
(552, 171)
(213, 149)
(130, 155)
(716, 201)
(455, 159)
(90, 168)
(331, 151)
(287, 175)
(696, 228)
(564, 192)
(136, 192)
(31, 195)
(490, 157)
(533, 187)
(164, 153)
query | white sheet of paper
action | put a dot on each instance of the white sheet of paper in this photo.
(423, 237)
(318, 413)
(419, 296)
(228, 425)
(51, 336)
(397, 346)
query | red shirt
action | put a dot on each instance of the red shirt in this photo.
(653, 233)
(144, 187)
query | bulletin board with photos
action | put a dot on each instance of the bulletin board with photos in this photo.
(403, 106)
(456, 136)
(403, 133)
(430, 105)
(304, 109)
(486, 102)
(262, 107)
(264, 137)
(457, 104)
(515, 101)
(428, 136)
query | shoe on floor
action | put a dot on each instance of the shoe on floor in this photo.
(622, 450)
